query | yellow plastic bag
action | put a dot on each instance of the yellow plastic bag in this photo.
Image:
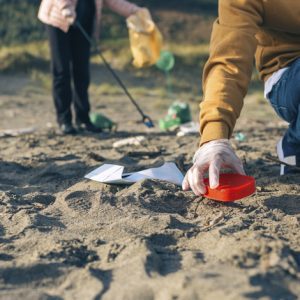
(145, 39)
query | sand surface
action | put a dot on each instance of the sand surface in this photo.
(65, 237)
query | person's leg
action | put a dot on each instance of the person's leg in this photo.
(285, 99)
(61, 77)
(81, 74)
(81, 58)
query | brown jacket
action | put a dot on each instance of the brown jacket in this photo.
(268, 29)
(50, 11)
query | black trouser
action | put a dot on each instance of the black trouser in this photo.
(70, 58)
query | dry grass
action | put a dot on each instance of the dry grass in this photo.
(25, 57)
(33, 58)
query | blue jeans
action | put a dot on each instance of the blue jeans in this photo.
(285, 99)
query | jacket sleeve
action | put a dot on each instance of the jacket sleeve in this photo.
(61, 4)
(228, 70)
(121, 7)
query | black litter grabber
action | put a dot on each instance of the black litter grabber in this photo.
(145, 119)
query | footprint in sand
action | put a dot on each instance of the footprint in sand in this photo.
(72, 253)
(6, 257)
(17, 223)
(2, 231)
(155, 196)
(79, 201)
(44, 199)
(45, 223)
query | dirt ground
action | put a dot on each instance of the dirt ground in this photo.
(65, 237)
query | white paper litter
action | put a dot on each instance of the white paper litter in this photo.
(135, 141)
(114, 174)
(16, 132)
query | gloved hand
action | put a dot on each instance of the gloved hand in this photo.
(211, 156)
(141, 21)
(69, 13)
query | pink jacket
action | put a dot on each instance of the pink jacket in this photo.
(50, 11)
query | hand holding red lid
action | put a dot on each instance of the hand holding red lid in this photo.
(211, 157)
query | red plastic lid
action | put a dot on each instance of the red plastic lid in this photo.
(232, 187)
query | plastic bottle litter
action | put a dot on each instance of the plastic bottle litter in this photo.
(103, 122)
(166, 61)
(240, 137)
(169, 123)
(178, 113)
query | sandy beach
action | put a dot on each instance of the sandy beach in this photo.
(66, 237)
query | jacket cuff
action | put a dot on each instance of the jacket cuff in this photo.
(214, 131)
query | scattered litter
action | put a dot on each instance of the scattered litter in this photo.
(188, 129)
(16, 132)
(231, 187)
(166, 63)
(114, 174)
(103, 122)
(135, 141)
(169, 123)
(240, 137)
(178, 113)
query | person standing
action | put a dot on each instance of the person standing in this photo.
(268, 30)
(70, 54)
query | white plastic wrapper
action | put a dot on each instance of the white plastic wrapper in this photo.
(114, 174)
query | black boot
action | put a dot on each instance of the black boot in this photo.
(67, 128)
(87, 127)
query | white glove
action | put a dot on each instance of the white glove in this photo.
(212, 156)
(141, 21)
(70, 14)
